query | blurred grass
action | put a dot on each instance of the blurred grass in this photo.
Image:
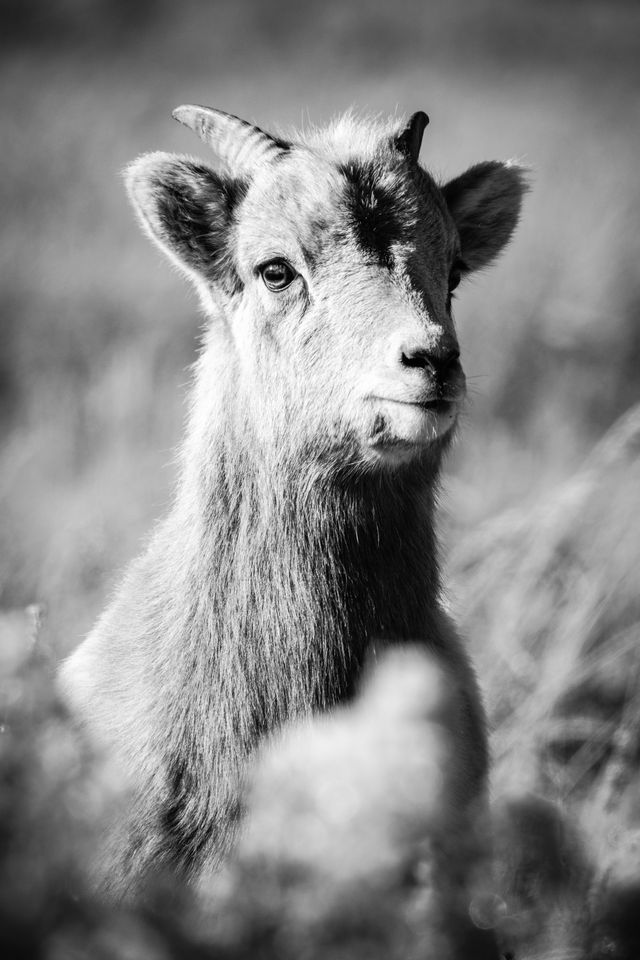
(549, 595)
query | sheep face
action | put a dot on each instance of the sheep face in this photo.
(343, 320)
(329, 267)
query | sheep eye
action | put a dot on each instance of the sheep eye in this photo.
(277, 274)
(455, 275)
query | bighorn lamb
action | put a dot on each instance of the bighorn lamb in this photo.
(302, 532)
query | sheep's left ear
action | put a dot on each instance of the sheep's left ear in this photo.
(187, 209)
(485, 204)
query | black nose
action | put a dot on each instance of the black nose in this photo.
(436, 362)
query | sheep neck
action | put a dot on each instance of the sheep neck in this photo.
(295, 573)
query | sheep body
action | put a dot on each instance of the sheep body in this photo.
(302, 533)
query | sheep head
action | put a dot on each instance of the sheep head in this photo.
(328, 262)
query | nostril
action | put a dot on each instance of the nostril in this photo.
(416, 358)
(423, 359)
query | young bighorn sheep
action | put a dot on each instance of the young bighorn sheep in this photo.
(302, 531)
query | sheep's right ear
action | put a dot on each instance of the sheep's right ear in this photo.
(485, 204)
(187, 209)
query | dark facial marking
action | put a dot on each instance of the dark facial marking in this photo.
(376, 212)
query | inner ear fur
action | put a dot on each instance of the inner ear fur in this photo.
(485, 204)
(187, 208)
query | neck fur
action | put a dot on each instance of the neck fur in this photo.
(279, 578)
(303, 568)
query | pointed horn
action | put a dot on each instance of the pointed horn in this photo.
(410, 140)
(238, 143)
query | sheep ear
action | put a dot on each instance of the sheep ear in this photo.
(187, 209)
(485, 204)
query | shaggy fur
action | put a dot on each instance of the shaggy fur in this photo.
(302, 534)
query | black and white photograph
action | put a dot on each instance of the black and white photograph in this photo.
(320, 480)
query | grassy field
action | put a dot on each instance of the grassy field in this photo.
(540, 517)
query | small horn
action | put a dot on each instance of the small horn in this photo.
(410, 139)
(239, 144)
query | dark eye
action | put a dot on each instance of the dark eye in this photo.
(277, 274)
(455, 275)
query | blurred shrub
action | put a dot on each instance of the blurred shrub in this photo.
(355, 844)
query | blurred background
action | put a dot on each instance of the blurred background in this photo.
(97, 332)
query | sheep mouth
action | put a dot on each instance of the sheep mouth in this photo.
(409, 425)
(434, 405)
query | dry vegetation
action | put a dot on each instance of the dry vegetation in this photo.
(542, 499)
